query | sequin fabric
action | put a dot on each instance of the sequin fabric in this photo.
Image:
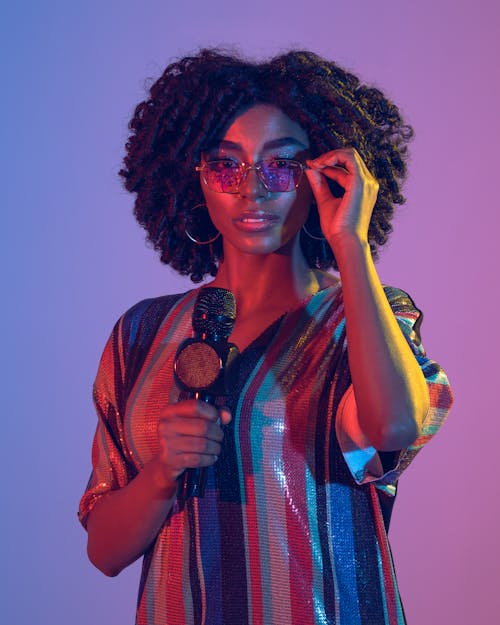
(293, 526)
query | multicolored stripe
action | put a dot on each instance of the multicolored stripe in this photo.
(288, 532)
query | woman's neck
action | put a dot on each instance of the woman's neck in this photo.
(277, 282)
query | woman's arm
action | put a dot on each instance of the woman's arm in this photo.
(123, 523)
(389, 387)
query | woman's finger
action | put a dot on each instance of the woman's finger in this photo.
(318, 181)
(225, 415)
(194, 445)
(191, 408)
(342, 156)
(194, 461)
(348, 159)
(334, 172)
(182, 426)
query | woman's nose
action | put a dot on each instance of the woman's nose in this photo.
(251, 185)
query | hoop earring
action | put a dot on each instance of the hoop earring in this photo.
(190, 236)
(312, 236)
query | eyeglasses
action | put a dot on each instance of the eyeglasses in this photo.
(278, 175)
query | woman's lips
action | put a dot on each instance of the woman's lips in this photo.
(255, 222)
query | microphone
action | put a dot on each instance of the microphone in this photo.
(201, 363)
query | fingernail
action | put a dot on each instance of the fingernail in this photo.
(224, 412)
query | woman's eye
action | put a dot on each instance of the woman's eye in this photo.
(279, 163)
(221, 165)
(227, 163)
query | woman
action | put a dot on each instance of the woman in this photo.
(264, 175)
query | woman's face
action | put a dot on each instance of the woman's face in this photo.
(255, 220)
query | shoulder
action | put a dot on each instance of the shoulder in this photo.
(402, 305)
(151, 307)
(400, 300)
(142, 320)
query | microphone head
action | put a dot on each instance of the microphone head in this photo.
(214, 313)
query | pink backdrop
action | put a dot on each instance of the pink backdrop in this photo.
(74, 260)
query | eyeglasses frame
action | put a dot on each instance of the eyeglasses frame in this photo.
(246, 167)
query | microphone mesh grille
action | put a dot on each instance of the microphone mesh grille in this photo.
(214, 312)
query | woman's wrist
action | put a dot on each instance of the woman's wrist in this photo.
(345, 244)
(164, 485)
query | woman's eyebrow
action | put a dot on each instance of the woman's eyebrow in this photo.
(224, 144)
(285, 142)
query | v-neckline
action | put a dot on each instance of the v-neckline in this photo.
(259, 339)
(303, 305)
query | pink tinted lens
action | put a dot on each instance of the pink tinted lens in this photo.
(222, 176)
(280, 176)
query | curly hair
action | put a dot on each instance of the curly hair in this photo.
(194, 101)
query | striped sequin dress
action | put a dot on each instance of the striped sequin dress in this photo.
(293, 527)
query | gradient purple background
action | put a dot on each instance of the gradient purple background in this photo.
(74, 260)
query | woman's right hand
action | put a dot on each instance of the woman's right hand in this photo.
(190, 435)
(125, 522)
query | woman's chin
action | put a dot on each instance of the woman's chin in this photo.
(259, 245)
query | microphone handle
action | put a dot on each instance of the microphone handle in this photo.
(195, 480)
(194, 483)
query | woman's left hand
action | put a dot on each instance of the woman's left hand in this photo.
(349, 215)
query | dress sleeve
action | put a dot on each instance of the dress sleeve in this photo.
(365, 463)
(111, 468)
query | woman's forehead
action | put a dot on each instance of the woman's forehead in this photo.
(263, 126)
